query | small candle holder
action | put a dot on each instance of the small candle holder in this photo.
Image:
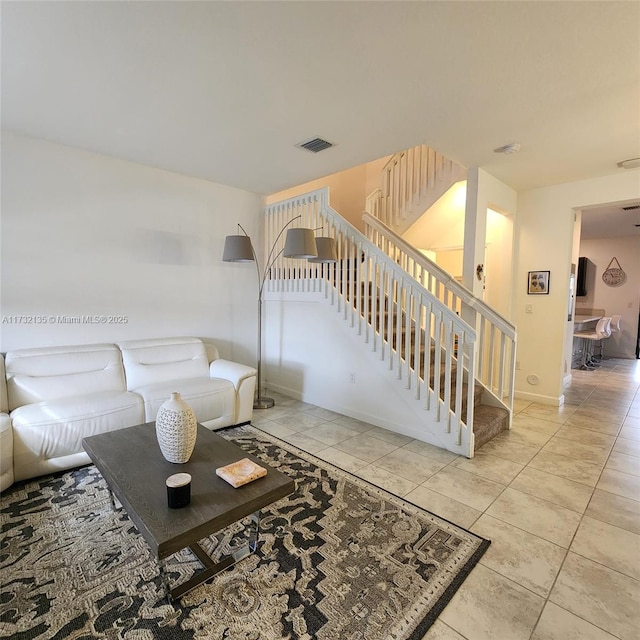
(178, 490)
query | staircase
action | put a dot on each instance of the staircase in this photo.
(496, 337)
(429, 332)
(412, 181)
(488, 420)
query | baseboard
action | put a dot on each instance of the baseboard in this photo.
(285, 391)
(618, 356)
(536, 397)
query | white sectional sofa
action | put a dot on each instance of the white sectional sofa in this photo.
(53, 397)
(6, 434)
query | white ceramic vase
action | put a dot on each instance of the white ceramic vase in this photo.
(176, 429)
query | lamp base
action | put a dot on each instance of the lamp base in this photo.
(263, 403)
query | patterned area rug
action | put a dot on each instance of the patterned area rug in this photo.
(338, 559)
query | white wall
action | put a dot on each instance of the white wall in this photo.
(624, 299)
(348, 190)
(545, 241)
(442, 225)
(311, 353)
(498, 262)
(85, 234)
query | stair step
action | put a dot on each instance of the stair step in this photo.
(488, 422)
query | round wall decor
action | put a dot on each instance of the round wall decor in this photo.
(614, 276)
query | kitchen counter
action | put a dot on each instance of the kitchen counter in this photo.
(582, 323)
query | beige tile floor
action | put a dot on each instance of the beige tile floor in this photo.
(558, 495)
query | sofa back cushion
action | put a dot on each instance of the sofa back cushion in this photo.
(49, 373)
(162, 360)
(4, 403)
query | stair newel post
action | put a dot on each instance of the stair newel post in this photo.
(470, 395)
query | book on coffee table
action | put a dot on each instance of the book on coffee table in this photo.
(241, 472)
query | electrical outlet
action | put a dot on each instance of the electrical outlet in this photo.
(352, 377)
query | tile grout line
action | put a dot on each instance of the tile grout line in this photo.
(452, 464)
(568, 550)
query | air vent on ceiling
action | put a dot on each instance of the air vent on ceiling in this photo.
(315, 145)
(632, 207)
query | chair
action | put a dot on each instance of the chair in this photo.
(589, 338)
(616, 322)
(615, 327)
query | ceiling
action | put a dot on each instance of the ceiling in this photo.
(224, 91)
(611, 221)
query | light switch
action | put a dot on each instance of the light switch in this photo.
(529, 308)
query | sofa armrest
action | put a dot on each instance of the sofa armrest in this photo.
(232, 371)
(6, 452)
(243, 379)
(4, 401)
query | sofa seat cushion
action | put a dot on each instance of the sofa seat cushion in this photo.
(45, 430)
(210, 398)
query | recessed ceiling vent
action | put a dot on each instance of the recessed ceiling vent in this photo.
(508, 148)
(631, 163)
(316, 145)
(632, 207)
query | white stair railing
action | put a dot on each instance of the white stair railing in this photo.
(419, 338)
(496, 351)
(412, 180)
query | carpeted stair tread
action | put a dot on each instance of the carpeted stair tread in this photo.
(488, 422)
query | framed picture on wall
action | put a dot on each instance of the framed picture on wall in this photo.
(538, 282)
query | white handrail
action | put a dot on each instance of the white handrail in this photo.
(425, 342)
(496, 335)
(388, 236)
(345, 230)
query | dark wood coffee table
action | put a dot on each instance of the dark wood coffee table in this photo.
(135, 471)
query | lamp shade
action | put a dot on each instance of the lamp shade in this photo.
(238, 249)
(327, 251)
(300, 243)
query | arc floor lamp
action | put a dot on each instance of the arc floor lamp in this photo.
(300, 242)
